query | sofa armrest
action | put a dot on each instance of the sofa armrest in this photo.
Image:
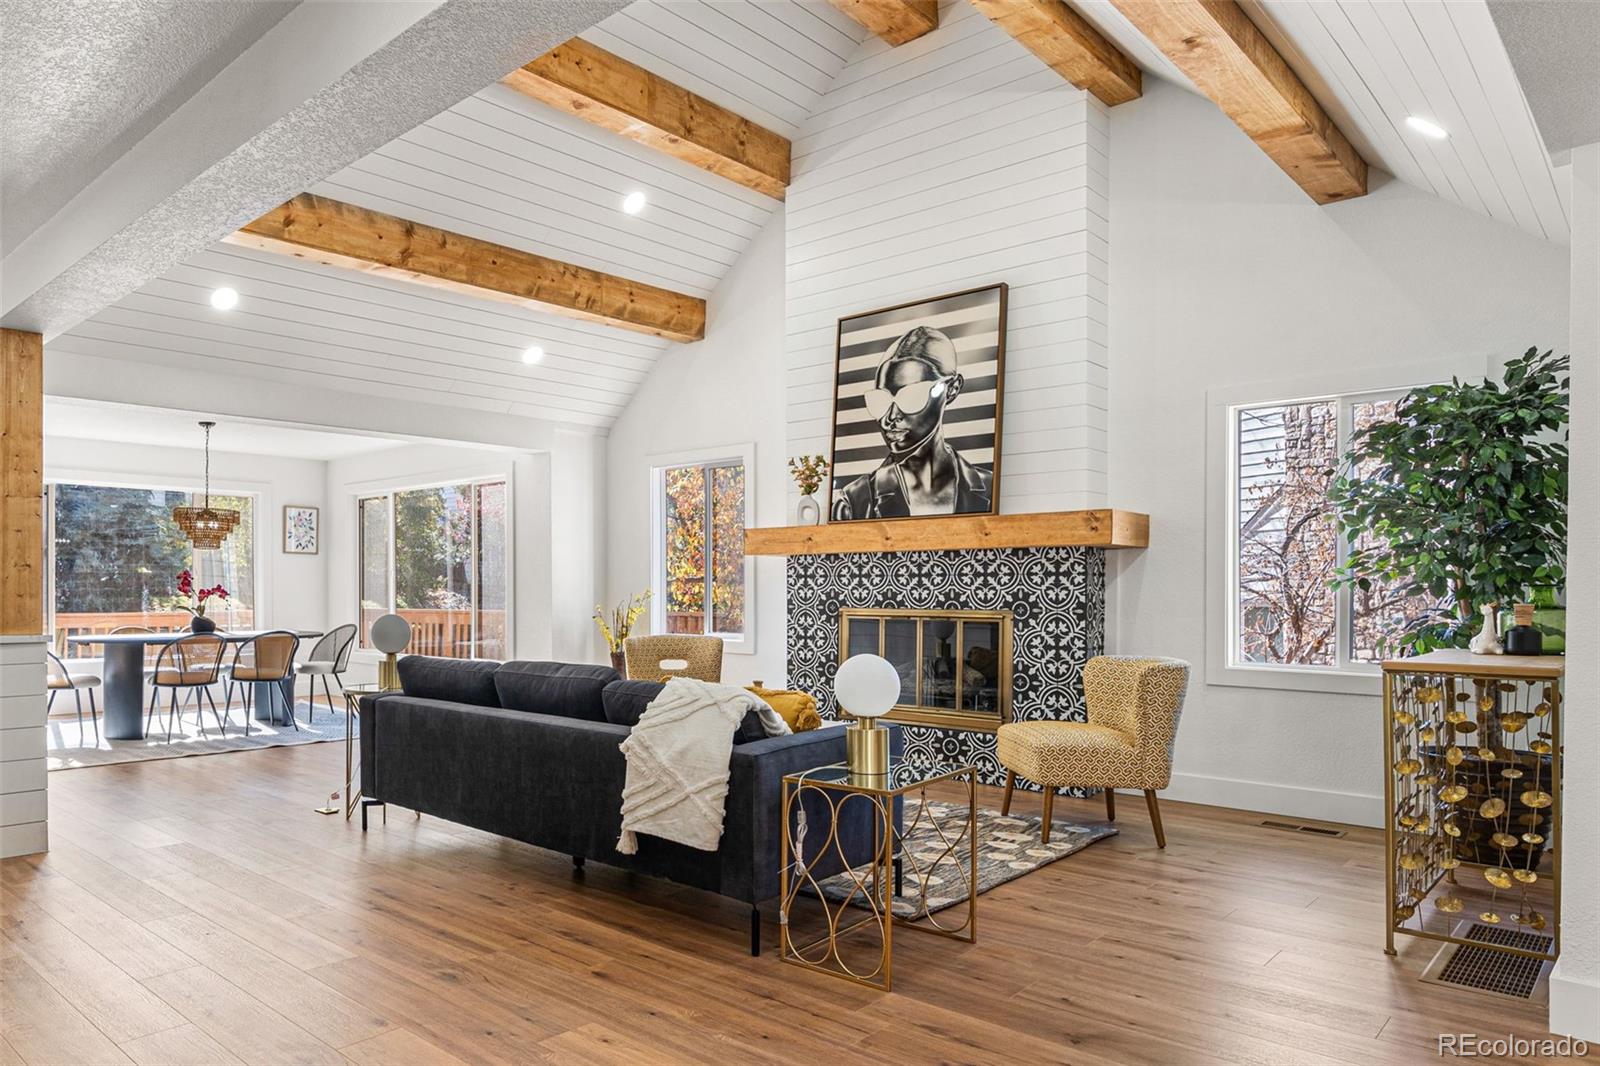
(753, 826)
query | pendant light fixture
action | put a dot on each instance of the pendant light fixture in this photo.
(206, 526)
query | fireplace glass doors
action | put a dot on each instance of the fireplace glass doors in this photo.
(955, 666)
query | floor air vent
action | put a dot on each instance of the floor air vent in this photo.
(1485, 970)
(1297, 827)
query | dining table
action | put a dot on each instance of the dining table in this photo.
(123, 712)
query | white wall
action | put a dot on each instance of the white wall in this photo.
(726, 390)
(1225, 273)
(1575, 982)
(290, 588)
(950, 162)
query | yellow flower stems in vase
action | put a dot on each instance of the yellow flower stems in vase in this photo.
(616, 628)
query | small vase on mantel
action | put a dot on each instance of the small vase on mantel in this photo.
(808, 512)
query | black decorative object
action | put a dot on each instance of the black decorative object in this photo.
(1056, 596)
(201, 624)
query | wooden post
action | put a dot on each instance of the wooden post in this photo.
(22, 482)
(23, 708)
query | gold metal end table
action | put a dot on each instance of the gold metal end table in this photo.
(876, 883)
(352, 711)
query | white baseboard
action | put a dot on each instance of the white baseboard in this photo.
(1348, 808)
(23, 839)
(1574, 1007)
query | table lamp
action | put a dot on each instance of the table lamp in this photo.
(390, 635)
(868, 687)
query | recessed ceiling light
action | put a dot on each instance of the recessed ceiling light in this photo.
(1427, 128)
(633, 203)
(224, 299)
(532, 354)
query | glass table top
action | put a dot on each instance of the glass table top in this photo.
(903, 776)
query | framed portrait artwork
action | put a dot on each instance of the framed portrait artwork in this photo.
(916, 408)
(300, 530)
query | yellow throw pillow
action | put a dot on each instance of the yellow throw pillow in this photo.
(797, 709)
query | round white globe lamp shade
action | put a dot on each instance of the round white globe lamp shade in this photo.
(868, 686)
(390, 634)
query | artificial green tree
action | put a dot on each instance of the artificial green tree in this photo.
(1462, 497)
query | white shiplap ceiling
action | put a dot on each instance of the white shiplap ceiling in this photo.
(1371, 64)
(504, 168)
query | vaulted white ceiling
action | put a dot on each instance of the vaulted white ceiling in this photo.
(503, 168)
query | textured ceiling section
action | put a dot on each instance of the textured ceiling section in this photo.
(86, 79)
(504, 168)
(1555, 47)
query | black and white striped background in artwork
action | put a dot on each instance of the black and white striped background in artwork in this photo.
(975, 323)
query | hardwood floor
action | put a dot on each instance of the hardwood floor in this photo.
(197, 910)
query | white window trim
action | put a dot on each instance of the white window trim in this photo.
(743, 453)
(1222, 404)
(474, 475)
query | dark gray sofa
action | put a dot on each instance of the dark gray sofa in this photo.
(530, 750)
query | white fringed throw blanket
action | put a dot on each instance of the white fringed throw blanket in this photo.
(677, 781)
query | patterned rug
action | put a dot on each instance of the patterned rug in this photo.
(1008, 847)
(68, 751)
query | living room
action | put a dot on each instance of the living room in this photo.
(666, 381)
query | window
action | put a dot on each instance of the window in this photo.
(1285, 547)
(437, 556)
(115, 555)
(701, 583)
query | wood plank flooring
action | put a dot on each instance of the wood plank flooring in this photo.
(196, 910)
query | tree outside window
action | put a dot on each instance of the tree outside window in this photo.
(702, 526)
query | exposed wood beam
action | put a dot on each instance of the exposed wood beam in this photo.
(343, 235)
(896, 21)
(22, 482)
(1222, 52)
(1069, 45)
(596, 86)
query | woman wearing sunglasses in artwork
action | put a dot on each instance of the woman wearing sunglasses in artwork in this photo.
(922, 474)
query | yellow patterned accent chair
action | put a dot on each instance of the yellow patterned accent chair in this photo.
(655, 658)
(1134, 705)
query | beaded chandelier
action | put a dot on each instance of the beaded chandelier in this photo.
(206, 526)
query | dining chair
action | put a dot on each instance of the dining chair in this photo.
(194, 663)
(59, 679)
(266, 657)
(329, 657)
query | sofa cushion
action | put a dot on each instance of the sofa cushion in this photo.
(568, 690)
(625, 701)
(428, 677)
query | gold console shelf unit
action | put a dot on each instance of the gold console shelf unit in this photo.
(1472, 786)
(1102, 527)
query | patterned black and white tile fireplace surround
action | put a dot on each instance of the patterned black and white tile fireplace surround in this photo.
(1057, 600)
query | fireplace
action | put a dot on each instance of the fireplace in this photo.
(954, 666)
(1042, 609)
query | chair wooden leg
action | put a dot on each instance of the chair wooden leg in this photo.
(1111, 804)
(1044, 826)
(1155, 817)
(1005, 802)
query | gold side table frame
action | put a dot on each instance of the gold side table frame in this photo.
(875, 882)
(1472, 772)
(352, 711)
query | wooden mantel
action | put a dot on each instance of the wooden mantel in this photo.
(1099, 528)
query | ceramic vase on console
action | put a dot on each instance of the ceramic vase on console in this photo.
(808, 512)
(1487, 641)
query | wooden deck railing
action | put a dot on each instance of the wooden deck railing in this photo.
(433, 632)
(95, 623)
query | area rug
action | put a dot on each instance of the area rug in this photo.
(68, 751)
(1008, 847)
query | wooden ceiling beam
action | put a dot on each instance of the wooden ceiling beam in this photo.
(1231, 61)
(343, 235)
(896, 21)
(1069, 45)
(592, 84)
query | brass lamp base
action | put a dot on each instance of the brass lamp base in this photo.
(867, 748)
(389, 673)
